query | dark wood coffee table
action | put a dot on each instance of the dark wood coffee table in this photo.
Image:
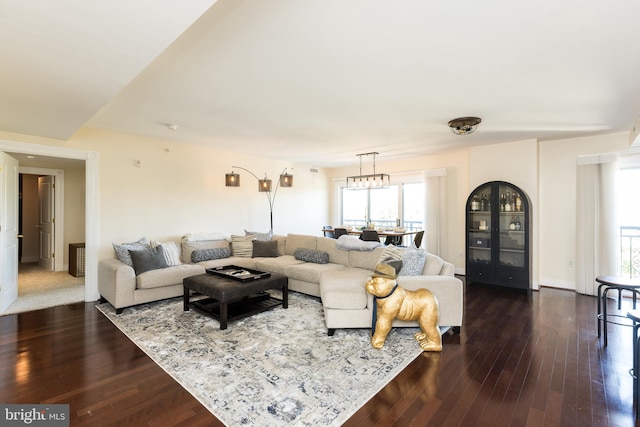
(231, 299)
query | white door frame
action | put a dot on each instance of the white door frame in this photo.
(91, 202)
(58, 209)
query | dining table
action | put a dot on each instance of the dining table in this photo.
(382, 233)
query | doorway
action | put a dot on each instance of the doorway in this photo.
(90, 199)
(41, 280)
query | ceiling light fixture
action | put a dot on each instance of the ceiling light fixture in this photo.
(371, 181)
(464, 125)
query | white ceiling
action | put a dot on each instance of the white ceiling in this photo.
(318, 81)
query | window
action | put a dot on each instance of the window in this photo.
(385, 207)
(628, 206)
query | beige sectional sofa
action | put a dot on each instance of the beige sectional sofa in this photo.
(339, 282)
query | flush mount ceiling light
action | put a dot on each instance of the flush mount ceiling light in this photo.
(464, 125)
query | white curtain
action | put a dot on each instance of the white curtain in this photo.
(435, 240)
(596, 223)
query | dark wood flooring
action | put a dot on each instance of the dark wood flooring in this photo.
(521, 360)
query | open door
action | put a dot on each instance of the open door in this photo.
(8, 231)
(46, 195)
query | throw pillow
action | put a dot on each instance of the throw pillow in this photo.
(390, 253)
(413, 261)
(122, 250)
(311, 255)
(242, 246)
(268, 249)
(209, 254)
(171, 251)
(148, 259)
(259, 236)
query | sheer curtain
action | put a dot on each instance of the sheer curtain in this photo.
(435, 240)
(596, 223)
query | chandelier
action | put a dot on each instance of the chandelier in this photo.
(464, 125)
(370, 181)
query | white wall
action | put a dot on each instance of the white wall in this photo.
(558, 202)
(182, 190)
(179, 188)
(516, 163)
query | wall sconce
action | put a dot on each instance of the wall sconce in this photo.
(264, 185)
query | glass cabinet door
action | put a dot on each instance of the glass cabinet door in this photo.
(479, 211)
(511, 227)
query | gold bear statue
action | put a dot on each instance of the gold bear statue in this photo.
(394, 302)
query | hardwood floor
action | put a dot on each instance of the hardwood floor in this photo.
(520, 360)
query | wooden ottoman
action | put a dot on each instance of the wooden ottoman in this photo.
(231, 299)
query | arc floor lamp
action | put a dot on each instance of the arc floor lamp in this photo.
(232, 179)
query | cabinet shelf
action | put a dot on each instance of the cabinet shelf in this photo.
(497, 255)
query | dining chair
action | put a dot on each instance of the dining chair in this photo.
(418, 239)
(337, 232)
(370, 236)
(329, 232)
(393, 240)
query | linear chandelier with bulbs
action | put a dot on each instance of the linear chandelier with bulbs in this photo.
(369, 181)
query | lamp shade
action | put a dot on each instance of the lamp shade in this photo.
(286, 180)
(232, 179)
(264, 185)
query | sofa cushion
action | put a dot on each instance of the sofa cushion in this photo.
(390, 253)
(366, 260)
(336, 256)
(264, 237)
(242, 246)
(276, 265)
(122, 249)
(310, 255)
(433, 265)
(295, 241)
(171, 251)
(204, 237)
(167, 276)
(344, 289)
(413, 260)
(209, 254)
(309, 271)
(189, 246)
(148, 259)
(353, 243)
(268, 249)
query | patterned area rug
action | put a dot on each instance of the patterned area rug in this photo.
(272, 369)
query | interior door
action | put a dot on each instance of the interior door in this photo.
(46, 195)
(8, 231)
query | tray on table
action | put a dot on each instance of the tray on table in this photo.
(241, 274)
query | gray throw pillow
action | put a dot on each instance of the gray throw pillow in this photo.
(266, 249)
(310, 255)
(413, 261)
(148, 259)
(122, 250)
(209, 254)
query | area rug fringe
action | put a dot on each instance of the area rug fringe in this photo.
(277, 368)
